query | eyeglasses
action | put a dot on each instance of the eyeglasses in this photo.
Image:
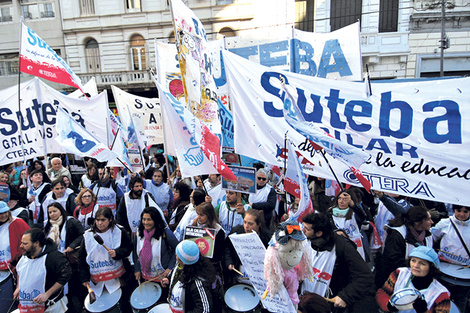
(262, 178)
(86, 196)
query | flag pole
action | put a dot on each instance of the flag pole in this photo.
(20, 116)
(331, 169)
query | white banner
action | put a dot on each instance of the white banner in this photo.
(180, 140)
(414, 131)
(38, 126)
(146, 115)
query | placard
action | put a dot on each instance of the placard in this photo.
(251, 252)
(246, 178)
(4, 192)
(203, 237)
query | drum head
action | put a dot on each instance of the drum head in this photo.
(241, 298)
(455, 270)
(103, 303)
(4, 276)
(161, 308)
(151, 293)
(403, 299)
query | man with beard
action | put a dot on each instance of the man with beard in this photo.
(132, 205)
(42, 273)
(232, 211)
(338, 267)
(160, 191)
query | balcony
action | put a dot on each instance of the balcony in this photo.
(125, 80)
(47, 14)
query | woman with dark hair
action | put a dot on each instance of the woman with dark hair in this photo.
(154, 246)
(347, 216)
(253, 221)
(420, 274)
(68, 184)
(197, 197)
(86, 207)
(90, 177)
(311, 302)
(453, 236)
(181, 199)
(405, 232)
(190, 283)
(101, 264)
(67, 234)
(37, 193)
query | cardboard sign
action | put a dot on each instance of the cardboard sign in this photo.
(203, 237)
(246, 178)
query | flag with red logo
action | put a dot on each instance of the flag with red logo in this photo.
(38, 59)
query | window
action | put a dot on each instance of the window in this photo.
(224, 2)
(133, 5)
(92, 55)
(35, 9)
(305, 15)
(344, 13)
(388, 16)
(87, 7)
(6, 12)
(171, 38)
(8, 64)
(138, 56)
(227, 32)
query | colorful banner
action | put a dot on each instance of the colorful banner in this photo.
(146, 115)
(38, 120)
(73, 138)
(38, 59)
(180, 140)
(245, 182)
(414, 131)
(195, 62)
(204, 139)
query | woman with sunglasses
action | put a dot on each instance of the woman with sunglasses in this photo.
(86, 207)
(265, 197)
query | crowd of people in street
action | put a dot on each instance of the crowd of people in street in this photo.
(69, 242)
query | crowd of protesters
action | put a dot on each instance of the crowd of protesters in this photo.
(68, 238)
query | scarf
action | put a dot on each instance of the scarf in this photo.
(84, 210)
(340, 213)
(54, 233)
(419, 237)
(146, 252)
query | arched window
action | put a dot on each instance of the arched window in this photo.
(227, 32)
(92, 55)
(138, 55)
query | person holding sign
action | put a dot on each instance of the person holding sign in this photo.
(252, 222)
(207, 218)
(191, 281)
(231, 212)
(265, 197)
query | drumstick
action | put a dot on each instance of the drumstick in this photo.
(100, 241)
(237, 271)
(265, 294)
(464, 267)
(445, 252)
(329, 300)
(140, 286)
(91, 293)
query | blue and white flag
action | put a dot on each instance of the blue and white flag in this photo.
(75, 139)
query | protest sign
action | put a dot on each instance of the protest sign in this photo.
(203, 237)
(251, 252)
(246, 178)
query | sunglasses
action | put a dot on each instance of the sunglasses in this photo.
(262, 178)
